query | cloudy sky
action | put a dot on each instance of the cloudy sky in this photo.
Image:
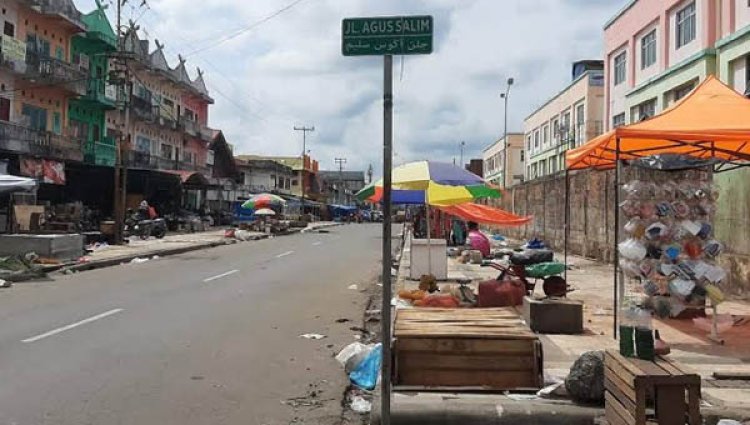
(283, 67)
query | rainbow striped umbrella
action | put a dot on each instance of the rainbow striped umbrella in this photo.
(438, 183)
(263, 200)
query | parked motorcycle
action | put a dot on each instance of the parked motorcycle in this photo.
(143, 229)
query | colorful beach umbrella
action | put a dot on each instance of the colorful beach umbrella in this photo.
(263, 200)
(434, 183)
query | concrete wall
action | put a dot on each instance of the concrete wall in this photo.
(592, 217)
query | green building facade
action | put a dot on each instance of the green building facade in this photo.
(87, 114)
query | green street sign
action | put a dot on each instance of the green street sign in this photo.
(401, 35)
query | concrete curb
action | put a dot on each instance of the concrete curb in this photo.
(109, 262)
(98, 264)
(453, 409)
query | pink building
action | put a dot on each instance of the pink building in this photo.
(657, 51)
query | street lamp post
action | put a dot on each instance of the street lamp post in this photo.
(461, 149)
(504, 96)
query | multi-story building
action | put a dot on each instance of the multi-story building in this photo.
(305, 173)
(494, 161)
(168, 127)
(657, 52)
(87, 114)
(265, 175)
(339, 187)
(38, 77)
(476, 166)
(567, 120)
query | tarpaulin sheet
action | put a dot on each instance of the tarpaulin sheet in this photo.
(486, 215)
(710, 123)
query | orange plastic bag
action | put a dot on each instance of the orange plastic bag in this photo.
(438, 300)
(415, 294)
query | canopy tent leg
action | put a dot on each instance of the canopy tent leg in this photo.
(616, 254)
(567, 222)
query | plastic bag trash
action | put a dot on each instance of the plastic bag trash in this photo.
(728, 422)
(155, 257)
(365, 375)
(360, 405)
(4, 284)
(354, 287)
(138, 260)
(541, 270)
(632, 249)
(312, 336)
(350, 351)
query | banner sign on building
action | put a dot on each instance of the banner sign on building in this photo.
(14, 50)
(45, 170)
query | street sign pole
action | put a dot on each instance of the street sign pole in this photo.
(387, 36)
(385, 387)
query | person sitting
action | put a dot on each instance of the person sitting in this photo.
(477, 240)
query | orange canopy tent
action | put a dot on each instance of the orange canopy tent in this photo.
(485, 215)
(711, 122)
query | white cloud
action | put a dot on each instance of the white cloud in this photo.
(289, 71)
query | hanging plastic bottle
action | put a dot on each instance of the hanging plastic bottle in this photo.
(644, 335)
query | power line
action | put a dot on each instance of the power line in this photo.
(245, 29)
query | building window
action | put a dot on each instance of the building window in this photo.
(580, 131)
(683, 91)
(4, 109)
(295, 182)
(528, 142)
(536, 139)
(620, 64)
(9, 29)
(555, 131)
(545, 135)
(648, 49)
(565, 128)
(685, 25)
(37, 117)
(522, 155)
(618, 120)
(166, 151)
(646, 109)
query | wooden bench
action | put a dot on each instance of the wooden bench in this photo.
(632, 385)
(471, 349)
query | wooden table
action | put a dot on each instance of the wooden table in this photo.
(465, 348)
(633, 385)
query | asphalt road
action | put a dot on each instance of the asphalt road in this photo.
(208, 337)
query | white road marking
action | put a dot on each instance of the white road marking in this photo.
(73, 325)
(285, 254)
(317, 243)
(219, 276)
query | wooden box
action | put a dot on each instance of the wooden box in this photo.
(480, 349)
(644, 392)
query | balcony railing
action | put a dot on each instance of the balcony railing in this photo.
(47, 70)
(26, 140)
(97, 91)
(206, 133)
(101, 152)
(146, 160)
(143, 109)
(191, 127)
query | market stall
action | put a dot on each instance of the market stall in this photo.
(664, 246)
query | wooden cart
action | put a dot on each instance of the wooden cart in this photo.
(478, 349)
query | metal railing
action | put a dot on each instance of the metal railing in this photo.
(23, 139)
(143, 109)
(49, 70)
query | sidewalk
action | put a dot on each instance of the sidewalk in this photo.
(593, 282)
(110, 255)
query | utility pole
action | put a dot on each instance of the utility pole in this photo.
(304, 131)
(341, 162)
(121, 173)
(369, 174)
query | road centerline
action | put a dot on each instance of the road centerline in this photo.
(220, 275)
(284, 254)
(72, 325)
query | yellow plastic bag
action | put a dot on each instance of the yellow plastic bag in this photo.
(714, 294)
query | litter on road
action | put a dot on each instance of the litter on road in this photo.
(312, 336)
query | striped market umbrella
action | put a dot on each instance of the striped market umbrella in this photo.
(263, 200)
(433, 183)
